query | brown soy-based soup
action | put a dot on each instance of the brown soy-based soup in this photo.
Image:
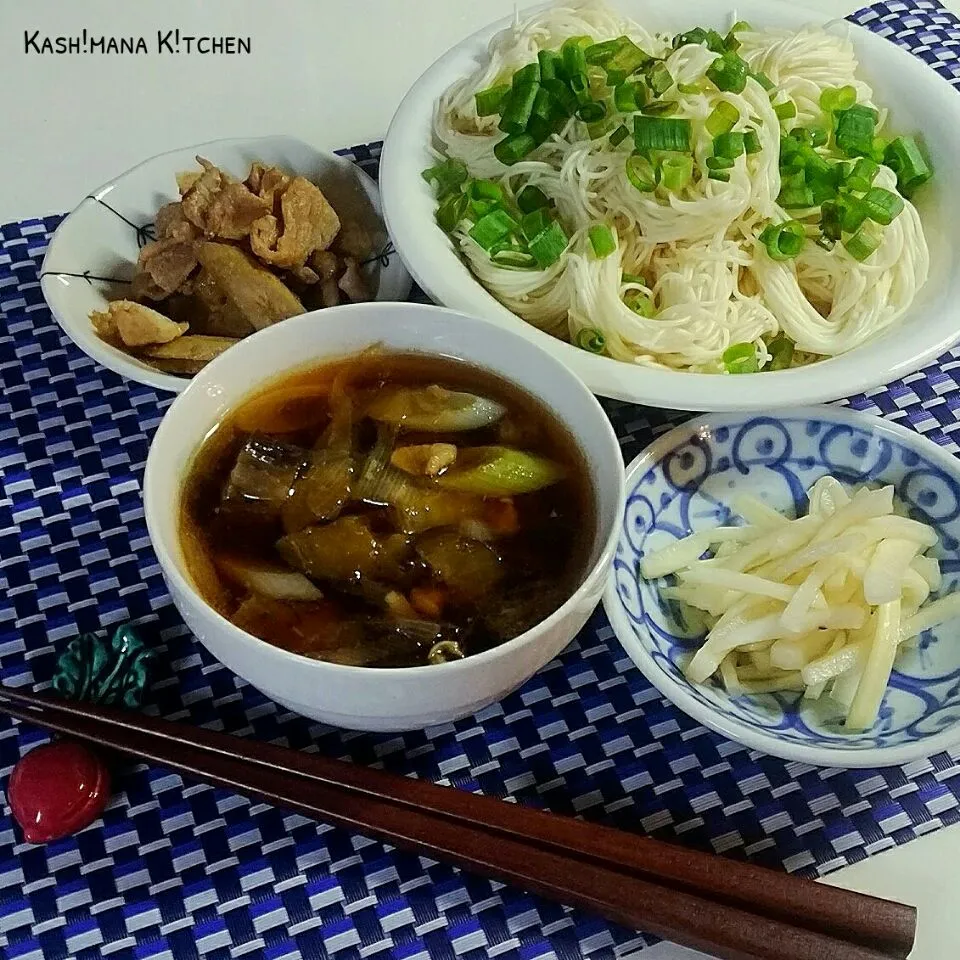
(388, 510)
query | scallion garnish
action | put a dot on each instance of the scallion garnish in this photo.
(720, 163)
(751, 142)
(446, 176)
(548, 245)
(786, 110)
(781, 349)
(627, 58)
(590, 339)
(722, 175)
(659, 78)
(629, 97)
(676, 171)
(698, 35)
(592, 112)
(818, 136)
(728, 73)
(526, 74)
(661, 108)
(730, 41)
(602, 240)
(852, 213)
(728, 145)
(532, 224)
(485, 190)
(795, 198)
(551, 64)
(563, 96)
(830, 221)
(882, 205)
(722, 119)
(493, 227)
(574, 61)
(488, 101)
(837, 98)
(822, 188)
(513, 148)
(862, 175)
(763, 80)
(661, 133)
(783, 240)
(619, 135)
(904, 157)
(640, 173)
(600, 53)
(451, 211)
(741, 358)
(639, 303)
(864, 242)
(854, 135)
(518, 107)
(531, 198)
(512, 256)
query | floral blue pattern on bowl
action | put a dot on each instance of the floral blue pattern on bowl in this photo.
(685, 482)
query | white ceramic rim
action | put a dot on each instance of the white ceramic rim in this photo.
(678, 694)
(427, 254)
(171, 566)
(111, 357)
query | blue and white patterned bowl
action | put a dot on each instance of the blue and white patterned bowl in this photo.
(684, 482)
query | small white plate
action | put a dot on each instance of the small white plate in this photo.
(93, 254)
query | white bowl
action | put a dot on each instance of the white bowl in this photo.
(919, 100)
(686, 480)
(371, 698)
(93, 253)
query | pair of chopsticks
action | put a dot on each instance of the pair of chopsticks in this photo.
(734, 910)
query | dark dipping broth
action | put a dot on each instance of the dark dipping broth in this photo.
(388, 510)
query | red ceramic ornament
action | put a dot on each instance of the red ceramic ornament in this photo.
(57, 789)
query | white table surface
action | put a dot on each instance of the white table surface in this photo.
(331, 72)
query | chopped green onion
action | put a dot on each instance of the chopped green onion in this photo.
(729, 145)
(485, 190)
(879, 148)
(600, 128)
(580, 85)
(795, 198)
(741, 358)
(531, 198)
(818, 136)
(600, 53)
(563, 96)
(548, 245)
(451, 211)
(904, 157)
(551, 64)
(511, 256)
(629, 97)
(640, 173)
(882, 205)
(822, 188)
(786, 110)
(728, 73)
(780, 349)
(489, 100)
(720, 163)
(446, 175)
(763, 80)
(813, 164)
(526, 74)
(852, 212)
(592, 112)
(783, 240)
(830, 225)
(480, 208)
(627, 58)
(722, 119)
(864, 242)
(855, 130)
(751, 142)
(619, 135)
(495, 226)
(590, 339)
(730, 41)
(639, 303)
(659, 78)
(602, 240)
(661, 108)
(862, 175)
(661, 133)
(535, 222)
(513, 148)
(689, 88)
(518, 108)
(676, 171)
(631, 277)
(722, 175)
(837, 98)
(574, 61)
(698, 35)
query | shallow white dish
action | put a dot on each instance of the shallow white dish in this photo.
(919, 100)
(93, 253)
(684, 482)
(366, 698)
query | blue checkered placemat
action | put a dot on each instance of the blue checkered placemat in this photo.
(183, 871)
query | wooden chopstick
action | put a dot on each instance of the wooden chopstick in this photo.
(580, 864)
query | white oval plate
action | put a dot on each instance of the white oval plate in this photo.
(93, 253)
(919, 100)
